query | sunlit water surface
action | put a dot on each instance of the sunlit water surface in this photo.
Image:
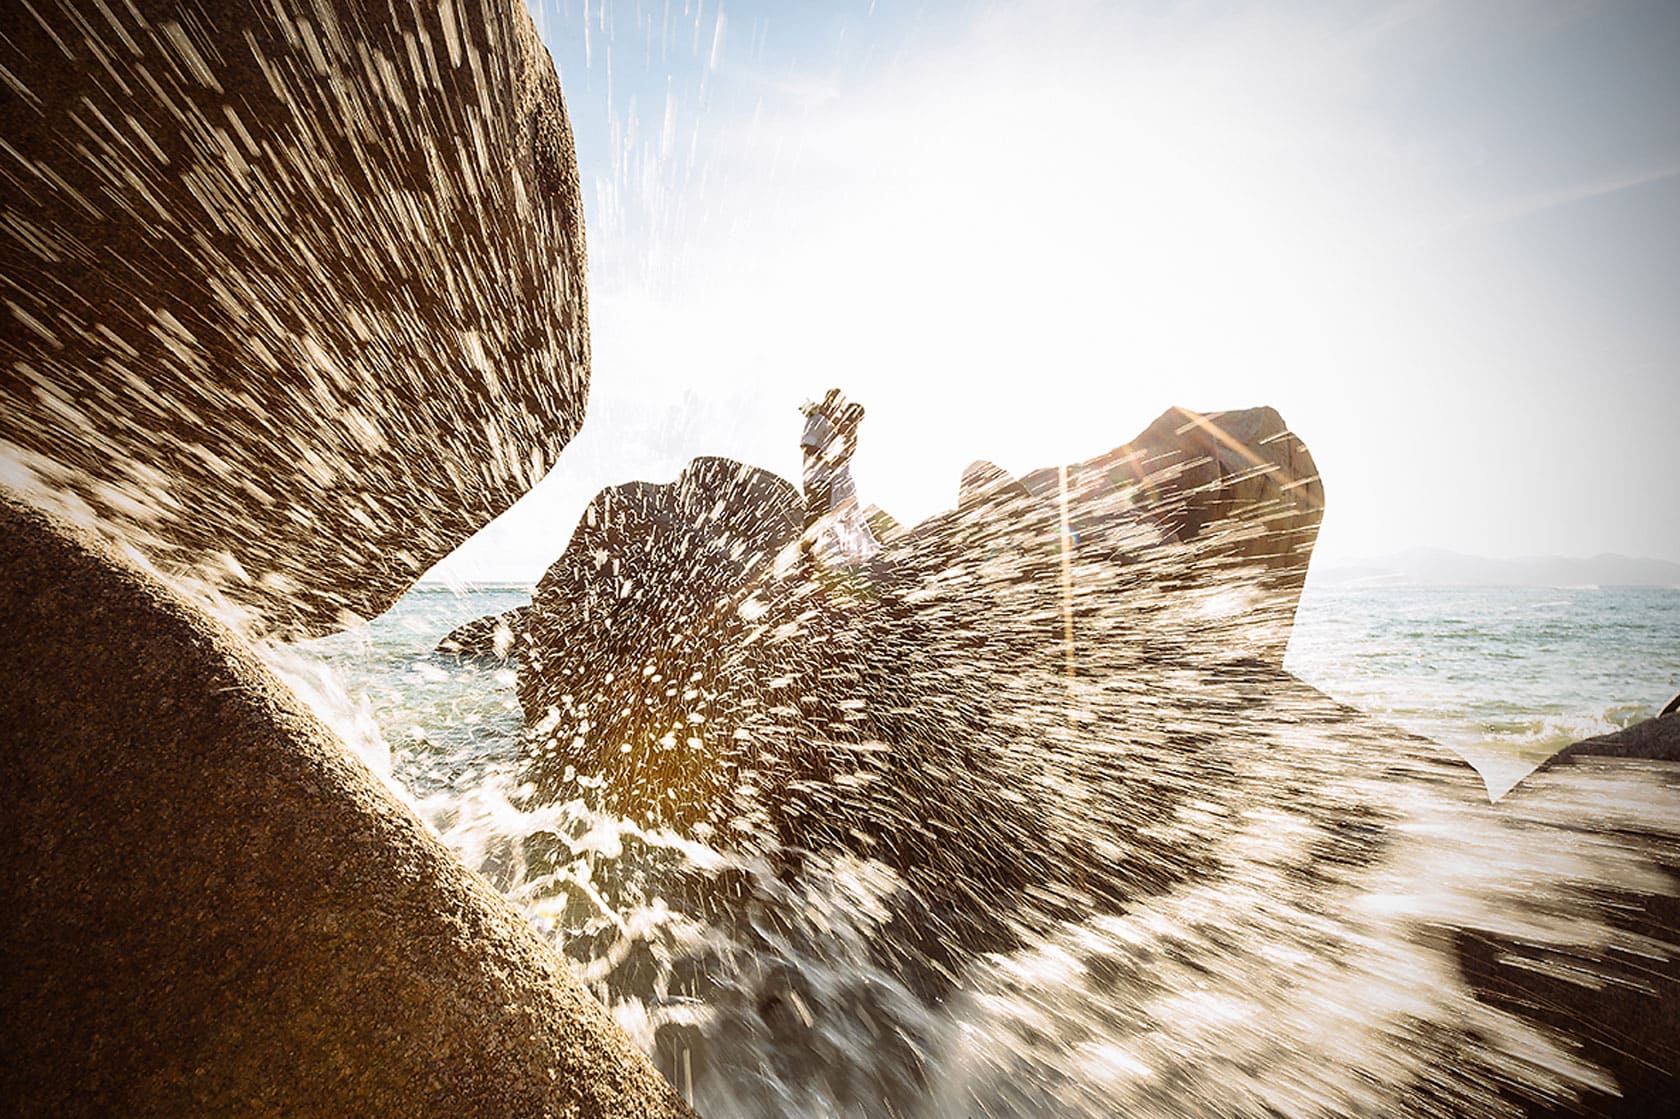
(1505, 676)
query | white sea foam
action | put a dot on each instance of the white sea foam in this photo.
(1245, 989)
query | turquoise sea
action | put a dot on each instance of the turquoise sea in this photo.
(435, 722)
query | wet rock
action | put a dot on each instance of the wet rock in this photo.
(684, 679)
(1632, 1029)
(658, 644)
(1034, 738)
(296, 290)
(209, 907)
(1631, 1026)
(494, 638)
(1238, 487)
(1657, 738)
(629, 624)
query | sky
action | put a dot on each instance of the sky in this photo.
(1443, 239)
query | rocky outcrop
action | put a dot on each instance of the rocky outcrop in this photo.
(295, 303)
(627, 617)
(208, 907)
(1025, 732)
(1630, 1028)
(494, 638)
(646, 642)
(1236, 490)
(296, 291)
(1657, 739)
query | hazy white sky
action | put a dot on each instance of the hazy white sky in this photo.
(1442, 239)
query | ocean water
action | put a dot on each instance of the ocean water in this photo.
(1323, 1003)
(435, 723)
(1503, 675)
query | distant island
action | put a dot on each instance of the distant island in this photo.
(1438, 567)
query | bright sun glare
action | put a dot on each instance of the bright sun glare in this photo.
(1023, 237)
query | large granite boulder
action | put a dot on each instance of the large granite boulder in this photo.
(1238, 488)
(1024, 721)
(622, 628)
(208, 907)
(295, 290)
(647, 638)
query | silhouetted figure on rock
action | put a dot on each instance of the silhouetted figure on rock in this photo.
(836, 533)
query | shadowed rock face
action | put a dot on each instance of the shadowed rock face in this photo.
(1655, 739)
(295, 292)
(622, 631)
(207, 907)
(649, 654)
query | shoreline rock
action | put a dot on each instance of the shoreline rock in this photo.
(1237, 486)
(496, 637)
(282, 376)
(1654, 739)
(611, 639)
(1631, 1028)
(1028, 727)
(211, 907)
(1203, 524)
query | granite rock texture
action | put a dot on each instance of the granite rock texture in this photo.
(496, 637)
(1237, 489)
(209, 907)
(647, 648)
(1025, 729)
(1632, 1027)
(627, 616)
(295, 291)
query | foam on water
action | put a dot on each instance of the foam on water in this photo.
(1506, 676)
(1304, 969)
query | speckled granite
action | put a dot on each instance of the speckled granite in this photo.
(296, 289)
(212, 908)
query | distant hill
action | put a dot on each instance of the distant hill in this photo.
(1437, 567)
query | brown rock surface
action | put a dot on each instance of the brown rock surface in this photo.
(295, 292)
(629, 612)
(1187, 543)
(1023, 750)
(1657, 739)
(495, 637)
(1029, 727)
(1238, 488)
(211, 908)
(1631, 1028)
